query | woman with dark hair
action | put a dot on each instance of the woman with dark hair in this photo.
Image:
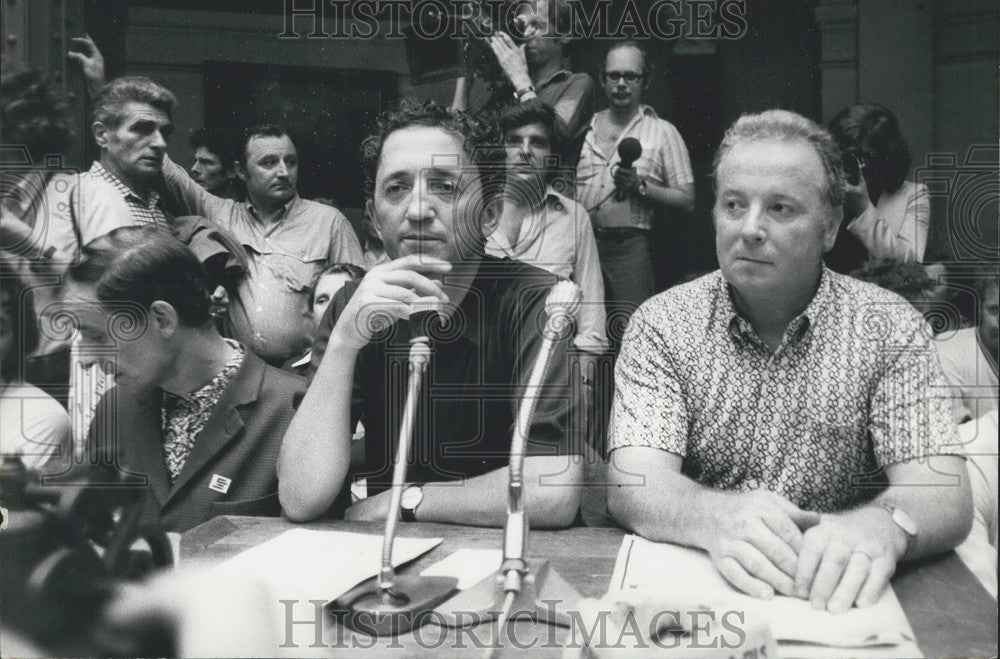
(887, 213)
(33, 426)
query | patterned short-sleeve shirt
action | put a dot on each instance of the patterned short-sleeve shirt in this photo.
(184, 417)
(852, 388)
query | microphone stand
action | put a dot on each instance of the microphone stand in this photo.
(523, 587)
(389, 604)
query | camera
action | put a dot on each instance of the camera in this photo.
(438, 41)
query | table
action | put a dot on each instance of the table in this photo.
(948, 609)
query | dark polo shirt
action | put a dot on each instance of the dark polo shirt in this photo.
(481, 360)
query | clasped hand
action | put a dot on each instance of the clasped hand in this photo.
(765, 544)
(390, 292)
(627, 179)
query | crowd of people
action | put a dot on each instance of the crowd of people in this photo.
(778, 412)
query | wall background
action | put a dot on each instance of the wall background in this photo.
(933, 62)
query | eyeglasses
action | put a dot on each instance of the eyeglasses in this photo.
(629, 76)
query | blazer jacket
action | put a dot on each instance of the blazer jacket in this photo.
(232, 468)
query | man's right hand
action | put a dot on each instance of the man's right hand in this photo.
(390, 292)
(755, 540)
(91, 62)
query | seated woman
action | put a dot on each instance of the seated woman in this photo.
(327, 283)
(885, 212)
(33, 426)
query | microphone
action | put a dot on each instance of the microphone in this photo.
(518, 587)
(389, 604)
(629, 150)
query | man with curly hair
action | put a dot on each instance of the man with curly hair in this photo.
(435, 197)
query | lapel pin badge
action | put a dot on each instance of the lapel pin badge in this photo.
(220, 483)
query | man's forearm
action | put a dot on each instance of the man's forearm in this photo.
(938, 500)
(664, 507)
(677, 198)
(316, 452)
(551, 491)
(460, 99)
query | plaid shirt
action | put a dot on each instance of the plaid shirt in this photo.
(144, 211)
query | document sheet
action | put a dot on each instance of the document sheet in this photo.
(686, 577)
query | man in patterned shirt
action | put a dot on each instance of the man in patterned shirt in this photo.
(195, 418)
(776, 414)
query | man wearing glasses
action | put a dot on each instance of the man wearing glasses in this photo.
(622, 201)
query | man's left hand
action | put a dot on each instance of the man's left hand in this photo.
(370, 509)
(511, 58)
(848, 559)
(628, 180)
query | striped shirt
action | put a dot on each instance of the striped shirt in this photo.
(143, 211)
(664, 161)
(559, 238)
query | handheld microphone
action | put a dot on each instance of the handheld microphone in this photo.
(629, 150)
(389, 604)
(522, 586)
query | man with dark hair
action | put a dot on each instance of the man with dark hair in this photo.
(214, 166)
(535, 70)
(778, 415)
(434, 200)
(198, 417)
(622, 202)
(290, 241)
(539, 225)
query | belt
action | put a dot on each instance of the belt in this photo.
(618, 233)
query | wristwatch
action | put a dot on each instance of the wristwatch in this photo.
(903, 521)
(412, 496)
(642, 187)
(524, 90)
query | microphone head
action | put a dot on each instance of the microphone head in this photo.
(629, 150)
(563, 300)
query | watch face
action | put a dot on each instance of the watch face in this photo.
(412, 497)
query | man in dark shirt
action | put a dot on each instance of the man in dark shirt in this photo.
(431, 209)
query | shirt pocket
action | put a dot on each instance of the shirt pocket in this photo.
(297, 273)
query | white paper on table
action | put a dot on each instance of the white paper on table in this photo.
(305, 564)
(687, 575)
(470, 566)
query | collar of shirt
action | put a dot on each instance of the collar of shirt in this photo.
(558, 76)
(207, 396)
(590, 141)
(285, 211)
(98, 170)
(530, 228)
(741, 329)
